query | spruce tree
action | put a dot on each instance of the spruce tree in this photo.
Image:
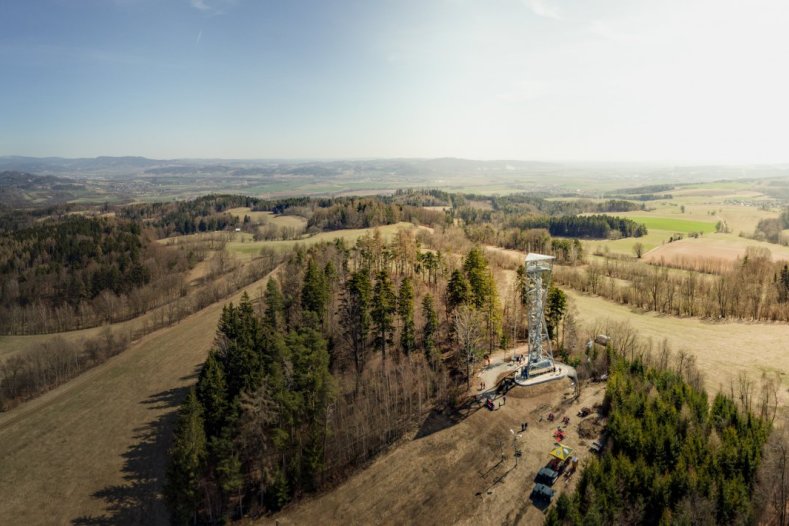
(383, 309)
(315, 291)
(315, 387)
(458, 291)
(212, 394)
(476, 268)
(405, 309)
(356, 315)
(275, 306)
(430, 329)
(239, 341)
(187, 462)
(555, 309)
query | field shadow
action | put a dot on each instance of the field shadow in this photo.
(138, 500)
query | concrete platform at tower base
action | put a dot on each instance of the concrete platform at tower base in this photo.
(562, 371)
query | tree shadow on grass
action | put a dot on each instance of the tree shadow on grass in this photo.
(139, 500)
(440, 419)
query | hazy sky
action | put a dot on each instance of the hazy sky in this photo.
(681, 80)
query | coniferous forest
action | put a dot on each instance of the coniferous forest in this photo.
(674, 457)
(344, 351)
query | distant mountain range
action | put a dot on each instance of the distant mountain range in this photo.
(113, 166)
(26, 181)
(24, 189)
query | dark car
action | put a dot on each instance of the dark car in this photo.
(547, 476)
(541, 492)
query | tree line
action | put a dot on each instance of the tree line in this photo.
(592, 226)
(753, 288)
(203, 214)
(61, 273)
(24, 376)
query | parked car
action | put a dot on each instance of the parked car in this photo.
(541, 492)
(547, 476)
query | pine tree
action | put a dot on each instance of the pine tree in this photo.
(384, 306)
(239, 342)
(315, 291)
(315, 386)
(555, 309)
(492, 313)
(187, 461)
(405, 309)
(212, 394)
(430, 329)
(275, 306)
(356, 315)
(476, 268)
(458, 291)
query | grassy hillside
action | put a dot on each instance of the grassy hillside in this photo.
(94, 449)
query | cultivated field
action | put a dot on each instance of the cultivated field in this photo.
(704, 205)
(93, 451)
(673, 224)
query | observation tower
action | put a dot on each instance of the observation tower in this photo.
(538, 275)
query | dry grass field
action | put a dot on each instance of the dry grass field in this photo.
(722, 349)
(726, 247)
(264, 217)
(244, 246)
(451, 472)
(93, 451)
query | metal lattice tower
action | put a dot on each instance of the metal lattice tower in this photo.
(538, 275)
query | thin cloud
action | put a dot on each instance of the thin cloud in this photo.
(543, 8)
(213, 7)
(199, 36)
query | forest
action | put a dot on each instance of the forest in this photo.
(346, 349)
(64, 273)
(594, 226)
(204, 214)
(672, 458)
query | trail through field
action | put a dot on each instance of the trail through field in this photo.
(93, 451)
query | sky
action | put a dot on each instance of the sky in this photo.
(562, 80)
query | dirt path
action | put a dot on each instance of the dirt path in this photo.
(93, 451)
